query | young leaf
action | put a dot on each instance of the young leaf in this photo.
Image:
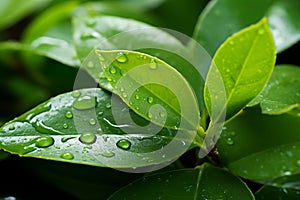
(225, 17)
(204, 182)
(282, 94)
(115, 33)
(142, 81)
(270, 143)
(79, 127)
(244, 64)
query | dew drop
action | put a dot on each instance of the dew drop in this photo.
(90, 23)
(90, 64)
(124, 95)
(44, 141)
(11, 128)
(231, 42)
(229, 141)
(92, 121)
(67, 156)
(84, 102)
(65, 139)
(153, 64)
(100, 113)
(69, 115)
(137, 97)
(150, 99)
(87, 138)
(108, 154)
(76, 93)
(149, 115)
(108, 105)
(65, 126)
(122, 58)
(298, 163)
(122, 89)
(123, 144)
(100, 57)
(162, 114)
(112, 70)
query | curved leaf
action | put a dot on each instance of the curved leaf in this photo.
(244, 64)
(225, 17)
(79, 127)
(115, 33)
(270, 143)
(137, 79)
(282, 94)
(53, 48)
(205, 182)
(283, 188)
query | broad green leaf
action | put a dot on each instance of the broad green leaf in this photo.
(282, 94)
(204, 182)
(222, 18)
(13, 10)
(261, 147)
(53, 48)
(52, 23)
(79, 127)
(283, 188)
(244, 63)
(142, 81)
(80, 181)
(114, 33)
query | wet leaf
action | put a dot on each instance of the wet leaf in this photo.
(137, 79)
(270, 143)
(282, 94)
(204, 182)
(244, 64)
(225, 17)
(285, 188)
(79, 127)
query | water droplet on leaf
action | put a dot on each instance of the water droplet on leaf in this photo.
(76, 93)
(123, 144)
(11, 128)
(229, 141)
(122, 58)
(44, 141)
(108, 154)
(65, 126)
(137, 97)
(153, 64)
(90, 64)
(92, 121)
(67, 155)
(87, 138)
(84, 102)
(69, 115)
(112, 70)
(150, 99)
(108, 105)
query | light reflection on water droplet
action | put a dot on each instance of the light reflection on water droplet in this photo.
(67, 156)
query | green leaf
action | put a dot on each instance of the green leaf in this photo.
(244, 64)
(282, 188)
(221, 18)
(204, 182)
(261, 147)
(79, 127)
(282, 94)
(137, 79)
(13, 10)
(114, 33)
(53, 48)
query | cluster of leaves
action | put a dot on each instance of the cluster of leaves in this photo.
(257, 155)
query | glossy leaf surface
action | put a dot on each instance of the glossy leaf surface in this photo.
(79, 127)
(225, 17)
(205, 182)
(282, 94)
(270, 143)
(244, 64)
